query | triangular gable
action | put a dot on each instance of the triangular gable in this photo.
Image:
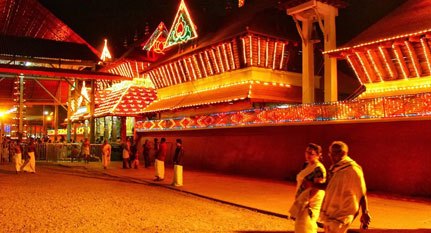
(183, 29)
(28, 18)
(106, 55)
(157, 40)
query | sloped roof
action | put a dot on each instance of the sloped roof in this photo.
(124, 99)
(42, 48)
(259, 17)
(411, 17)
(28, 18)
(255, 92)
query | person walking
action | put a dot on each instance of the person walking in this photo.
(345, 192)
(146, 153)
(30, 164)
(178, 164)
(126, 153)
(106, 154)
(306, 208)
(160, 160)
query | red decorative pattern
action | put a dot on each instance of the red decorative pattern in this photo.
(417, 105)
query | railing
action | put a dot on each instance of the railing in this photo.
(377, 108)
(66, 152)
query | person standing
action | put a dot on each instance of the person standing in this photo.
(5, 150)
(178, 164)
(345, 192)
(126, 153)
(134, 156)
(308, 200)
(146, 153)
(106, 154)
(155, 150)
(160, 160)
(86, 150)
(30, 164)
(17, 157)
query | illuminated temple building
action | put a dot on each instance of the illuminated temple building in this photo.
(243, 103)
(247, 94)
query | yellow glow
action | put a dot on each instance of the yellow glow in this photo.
(397, 87)
(105, 53)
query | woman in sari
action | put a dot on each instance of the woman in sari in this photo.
(306, 208)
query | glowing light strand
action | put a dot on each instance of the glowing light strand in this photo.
(203, 65)
(365, 68)
(413, 58)
(399, 57)
(427, 53)
(376, 68)
(391, 72)
(232, 56)
(354, 68)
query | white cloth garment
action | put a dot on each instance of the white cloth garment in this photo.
(30, 166)
(160, 168)
(178, 175)
(17, 158)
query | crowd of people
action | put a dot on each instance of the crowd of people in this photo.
(21, 154)
(154, 154)
(334, 199)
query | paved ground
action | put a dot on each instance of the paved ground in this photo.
(390, 214)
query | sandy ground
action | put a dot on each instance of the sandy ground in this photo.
(68, 200)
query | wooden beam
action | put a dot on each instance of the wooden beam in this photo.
(414, 58)
(427, 53)
(50, 94)
(369, 72)
(400, 58)
(389, 64)
(360, 74)
(377, 64)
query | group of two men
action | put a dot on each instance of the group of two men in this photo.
(177, 160)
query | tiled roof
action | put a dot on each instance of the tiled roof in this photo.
(411, 17)
(126, 101)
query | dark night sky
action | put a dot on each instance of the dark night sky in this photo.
(118, 20)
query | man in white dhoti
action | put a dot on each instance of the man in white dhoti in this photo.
(178, 164)
(17, 157)
(345, 192)
(30, 164)
(160, 160)
(106, 154)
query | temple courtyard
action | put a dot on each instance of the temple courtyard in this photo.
(75, 197)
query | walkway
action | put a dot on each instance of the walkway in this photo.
(272, 197)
